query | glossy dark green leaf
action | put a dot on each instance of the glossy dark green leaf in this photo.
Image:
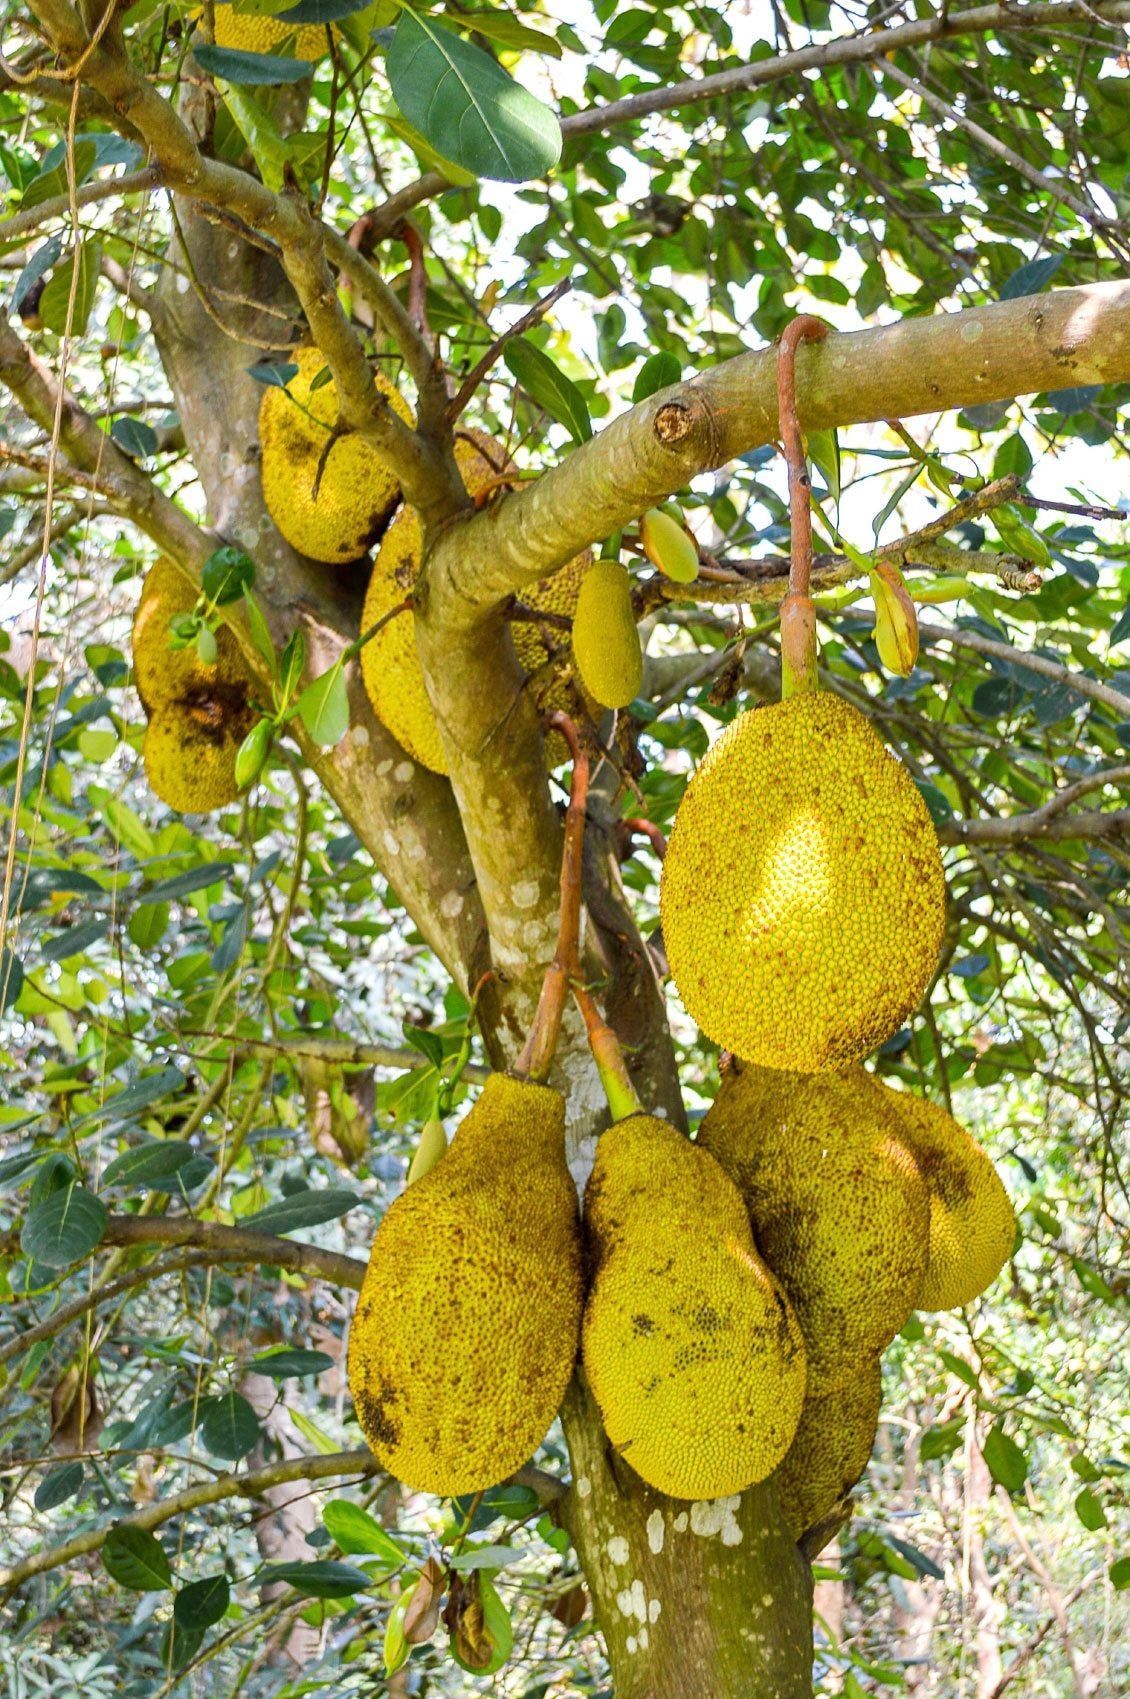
(148, 1164)
(135, 1558)
(64, 1226)
(304, 1209)
(291, 1362)
(230, 1428)
(320, 1580)
(59, 1485)
(199, 1604)
(249, 70)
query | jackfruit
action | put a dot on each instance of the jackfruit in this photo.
(691, 1348)
(802, 895)
(606, 643)
(669, 546)
(165, 675)
(972, 1224)
(468, 1320)
(830, 1451)
(190, 752)
(331, 497)
(839, 1209)
(390, 665)
(259, 32)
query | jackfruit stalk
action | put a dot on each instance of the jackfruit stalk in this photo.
(802, 895)
(330, 496)
(692, 1350)
(839, 1209)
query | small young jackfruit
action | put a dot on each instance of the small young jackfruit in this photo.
(469, 1316)
(972, 1224)
(831, 1450)
(669, 546)
(331, 497)
(802, 896)
(165, 675)
(606, 643)
(839, 1210)
(190, 752)
(259, 32)
(691, 1348)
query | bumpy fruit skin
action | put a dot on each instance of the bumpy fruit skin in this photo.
(261, 33)
(802, 896)
(468, 1321)
(839, 1209)
(831, 1450)
(606, 643)
(329, 506)
(691, 1348)
(390, 665)
(972, 1223)
(190, 753)
(163, 675)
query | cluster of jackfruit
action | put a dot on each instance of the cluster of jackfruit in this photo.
(329, 492)
(198, 713)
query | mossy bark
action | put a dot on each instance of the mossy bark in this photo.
(695, 1601)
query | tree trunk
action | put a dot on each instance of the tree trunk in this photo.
(710, 1600)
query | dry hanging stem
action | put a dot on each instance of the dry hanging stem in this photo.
(798, 615)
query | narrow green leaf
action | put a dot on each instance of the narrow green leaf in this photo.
(290, 1363)
(249, 70)
(59, 1485)
(157, 1160)
(303, 1209)
(323, 1580)
(546, 384)
(54, 302)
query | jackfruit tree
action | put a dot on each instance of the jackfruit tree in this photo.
(562, 569)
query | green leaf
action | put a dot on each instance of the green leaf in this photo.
(55, 300)
(546, 384)
(148, 924)
(268, 149)
(64, 1227)
(185, 884)
(58, 1485)
(292, 664)
(202, 1603)
(323, 1580)
(358, 1533)
(486, 1557)
(426, 153)
(940, 1441)
(227, 574)
(396, 1647)
(959, 1367)
(659, 371)
(290, 1363)
(252, 753)
(136, 1559)
(303, 1209)
(230, 1428)
(157, 1160)
(1089, 1510)
(466, 105)
(11, 978)
(1006, 1462)
(123, 1105)
(52, 181)
(249, 70)
(261, 633)
(1120, 1574)
(324, 707)
(510, 31)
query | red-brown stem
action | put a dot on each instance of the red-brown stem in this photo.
(537, 1054)
(634, 825)
(536, 313)
(417, 277)
(798, 615)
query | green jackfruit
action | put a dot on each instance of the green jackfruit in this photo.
(972, 1223)
(606, 643)
(691, 1348)
(165, 675)
(839, 1209)
(190, 753)
(831, 1450)
(468, 1321)
(802, 896)
(331, 497)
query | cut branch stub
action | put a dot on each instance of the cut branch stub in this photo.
(798, 615)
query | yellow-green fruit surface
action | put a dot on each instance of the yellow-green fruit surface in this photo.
(333, 505)
(972, 1223)
(165, 675)
(831, 1450)
(691, 1348)
(261, 33)
(190, 753)
(839, 1209)
(606, 643)
(468, 1321)
(390, 665)
(802, 895)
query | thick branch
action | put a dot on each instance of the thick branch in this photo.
(237, 1245)
(922, 365)
(1076, 680)
(1092, 826)
(87, 194)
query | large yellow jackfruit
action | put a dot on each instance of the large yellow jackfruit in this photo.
(331, 497)
(802, 896)
(972, 1224)
(606, 643)
(189, 753)
(260, 32)
(830, 1451)
(165, 675)
(390, 665)
(839, 1209)
(691, 1348)
(468, 1321)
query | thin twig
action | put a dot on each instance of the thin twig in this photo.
(535, 315)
